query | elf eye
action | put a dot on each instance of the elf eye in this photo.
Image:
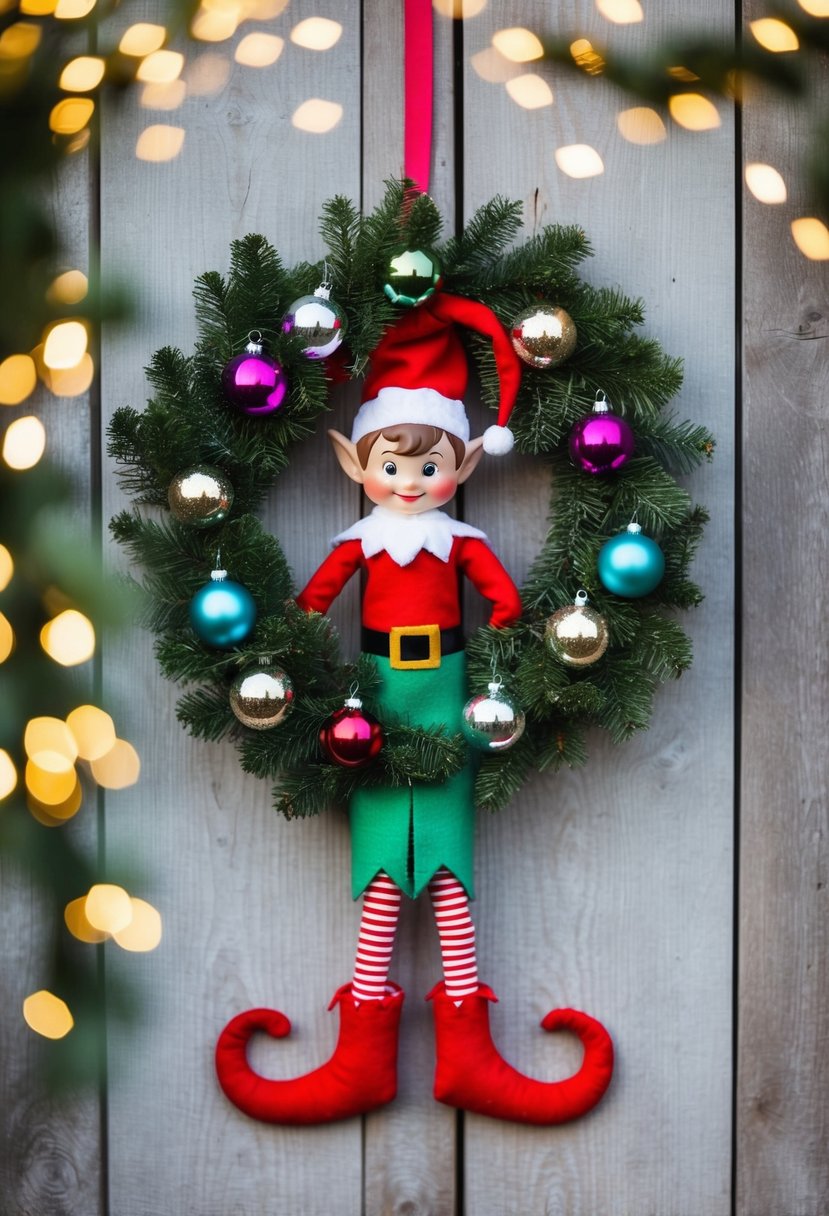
(429, 469)
(390, 468)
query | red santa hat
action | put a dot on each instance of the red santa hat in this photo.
(418, 372)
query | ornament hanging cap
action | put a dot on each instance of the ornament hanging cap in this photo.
(418, 372)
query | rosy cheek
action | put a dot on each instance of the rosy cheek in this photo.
(442, 488)
(376, 489)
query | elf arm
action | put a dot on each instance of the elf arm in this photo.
(325, 585)
(488, 576)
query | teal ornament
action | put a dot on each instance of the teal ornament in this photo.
(631, 565)
(222, 612)
(412, 276)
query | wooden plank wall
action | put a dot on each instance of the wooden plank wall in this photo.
(611, 889)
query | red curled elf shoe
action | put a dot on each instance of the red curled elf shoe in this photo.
(360, 1076)
(472, 1075)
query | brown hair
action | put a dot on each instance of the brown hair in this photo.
(410, 439)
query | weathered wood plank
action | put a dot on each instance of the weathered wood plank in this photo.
(610, 889)
(256, 910)
(783, 1075)
(410, 1161)
(51, 1145)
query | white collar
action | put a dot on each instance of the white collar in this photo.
(403, 536)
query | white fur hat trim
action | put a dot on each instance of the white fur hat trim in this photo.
(498, 440)
(393, 406)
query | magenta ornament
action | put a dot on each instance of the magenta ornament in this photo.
(602, 442)
(253, 382)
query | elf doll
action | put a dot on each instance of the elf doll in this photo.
(410, 450)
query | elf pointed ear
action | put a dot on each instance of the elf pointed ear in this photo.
(474, 452)
(346, 453)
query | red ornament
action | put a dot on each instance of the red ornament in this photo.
(351, 737)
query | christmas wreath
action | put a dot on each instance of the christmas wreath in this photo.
(597, 633)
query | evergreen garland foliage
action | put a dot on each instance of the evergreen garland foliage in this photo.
(187, 422)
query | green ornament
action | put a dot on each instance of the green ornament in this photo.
(413, 275)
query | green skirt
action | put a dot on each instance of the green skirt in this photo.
(412, 831)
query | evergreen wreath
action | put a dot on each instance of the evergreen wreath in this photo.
(187, 421)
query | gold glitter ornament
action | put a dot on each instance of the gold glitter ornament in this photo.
(543, 335)
(262, 697)
(576, 634)
(200, 496)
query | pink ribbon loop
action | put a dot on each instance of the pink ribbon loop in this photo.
(419, 77)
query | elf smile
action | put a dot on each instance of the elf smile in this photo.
(408, 497)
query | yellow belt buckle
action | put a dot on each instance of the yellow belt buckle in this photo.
(432, 632)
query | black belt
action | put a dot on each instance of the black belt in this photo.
(413, 647)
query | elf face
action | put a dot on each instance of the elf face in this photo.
(405, 481)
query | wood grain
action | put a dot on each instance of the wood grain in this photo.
(782, 1104)
(51, 1155)
(611, 888)
(256, 910)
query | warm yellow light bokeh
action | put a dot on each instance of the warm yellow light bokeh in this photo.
(160, 143)
(24, 442)
(587, 57)
(774, 35)
(815, 8)
(518, 44)
(117, 768)
(19, 40)
(65, 344)
(56, 813)
(641, 125)
(82, 74)
(459, 8)
(317, 116)
(259, 50)
(317, 33)
(812, 238)
(68, 288)
(621, 12)
(765, 183)
(73, 10)
(693, 112)
(108, 907)
(681, 73)
(216, 23)
(6, 638)
(18, 377)
(71, 381)
(207, 74)
(50, 744)
(530, 91)
(74, 915)
(47, 1015)
(6, 567)
(93, 731)
(143, 933)
(69, 638)
(142, 39)
(8, 774)
(164, 96)
(579, 160)
(37, 8)
(50, 787)
(161, 67)
(491, 66)
(71, 115)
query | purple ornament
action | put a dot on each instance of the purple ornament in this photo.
(253, 381)
(602, 442)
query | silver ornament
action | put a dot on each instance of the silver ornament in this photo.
(492, 721)
(543, 335)
(576, 634)
(318, 321)
(262, 697)
(200, 496)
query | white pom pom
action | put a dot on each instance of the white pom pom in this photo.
(498, 440)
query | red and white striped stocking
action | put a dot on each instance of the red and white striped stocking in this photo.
(381, 912)
(456, 933)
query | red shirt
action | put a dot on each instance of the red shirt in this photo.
(425, 592)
